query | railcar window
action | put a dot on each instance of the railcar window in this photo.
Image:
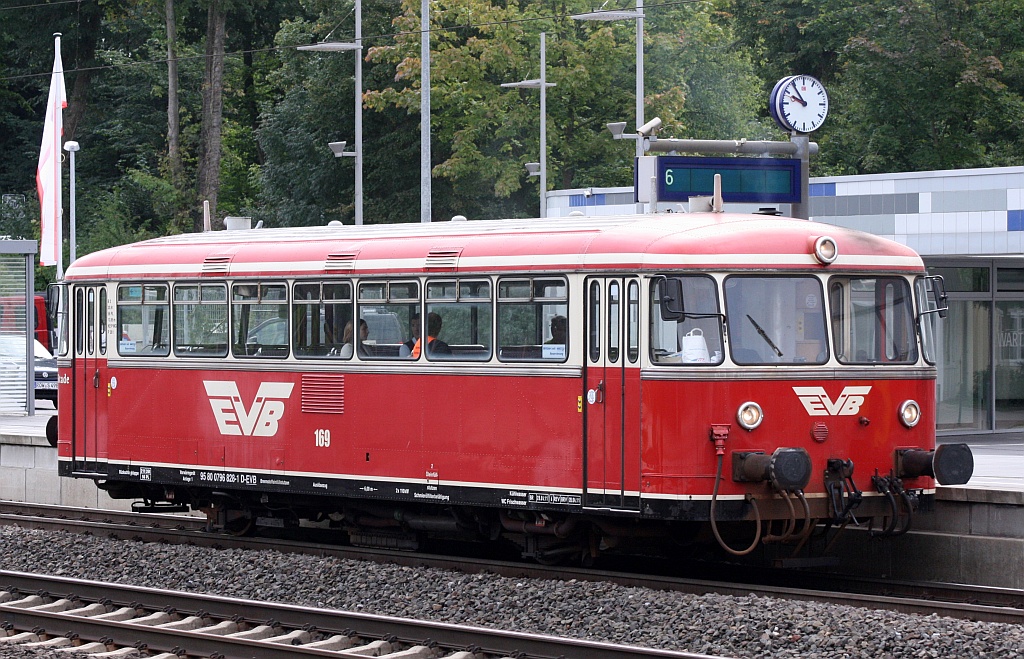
(464, 307)
(201, 320)
(90, 321)
(533, 323)
(633, 321)
(79, 321)
(872, 320)
(259, 320)
(62, 319)
(103, 321)
(390, 312)
(614, 320)
(322, 315)
(594, 322)
(776, 320)
(694, 339)
(143, 320)
(928, 321)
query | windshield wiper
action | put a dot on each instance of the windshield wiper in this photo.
(764, 335)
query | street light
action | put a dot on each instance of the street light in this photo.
(424, 110)
(357, 46)
(542, 84)
(638, 16)
(338, 149)
(71, 148)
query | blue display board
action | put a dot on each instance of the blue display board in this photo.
(744, 180)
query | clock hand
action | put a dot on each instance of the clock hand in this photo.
(799, 97)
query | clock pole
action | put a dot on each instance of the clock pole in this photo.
(803, 151)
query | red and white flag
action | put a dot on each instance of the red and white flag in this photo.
(48, 181)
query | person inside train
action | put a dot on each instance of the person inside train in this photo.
(435, 346)
(414, 333)
(364, 332)
(559, 327)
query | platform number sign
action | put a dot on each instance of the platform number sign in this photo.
(744, 180)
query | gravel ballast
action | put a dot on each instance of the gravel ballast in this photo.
(712, 624)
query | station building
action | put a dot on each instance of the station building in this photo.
(968, 225)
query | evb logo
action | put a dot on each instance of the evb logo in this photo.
(260, 420)
(817, 402)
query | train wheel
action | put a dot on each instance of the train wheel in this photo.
(240, 522)
(550, 551)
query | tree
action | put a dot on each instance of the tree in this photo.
(925, 87)
(213, 109)
(173, 107)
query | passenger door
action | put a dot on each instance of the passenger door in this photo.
(88, 353)
(611, 396)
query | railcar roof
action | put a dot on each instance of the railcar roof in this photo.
(656, 241)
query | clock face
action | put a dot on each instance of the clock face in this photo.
(800, 103)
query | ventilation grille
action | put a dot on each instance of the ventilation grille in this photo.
(216, 264)
(341, 261)
(324, 394)
(443, 258)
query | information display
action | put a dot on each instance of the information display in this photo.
(744, 180)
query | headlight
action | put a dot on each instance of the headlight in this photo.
(825, 250)
(910, 413)
(749, 415)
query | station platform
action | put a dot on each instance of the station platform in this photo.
(28, 466)
(975, 534)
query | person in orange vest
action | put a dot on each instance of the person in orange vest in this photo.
(414, 331)
(435, 346)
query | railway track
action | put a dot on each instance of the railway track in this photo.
(980, 603)
(51, 612)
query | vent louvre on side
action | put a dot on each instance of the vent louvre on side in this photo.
(216, 264)
(443, 258)
(341, 261)
(324, 394)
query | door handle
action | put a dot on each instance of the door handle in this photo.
(600, 391)
(96, 379)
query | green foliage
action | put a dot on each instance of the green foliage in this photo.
(914, 85)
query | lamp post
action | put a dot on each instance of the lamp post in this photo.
(357, 46)
(542, 84)
(638, 16)
(72, 148)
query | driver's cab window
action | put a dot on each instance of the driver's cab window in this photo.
(776, 320)
(693, 337)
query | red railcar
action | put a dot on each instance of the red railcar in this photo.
(583, 383)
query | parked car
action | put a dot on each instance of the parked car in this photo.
(12, 352)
